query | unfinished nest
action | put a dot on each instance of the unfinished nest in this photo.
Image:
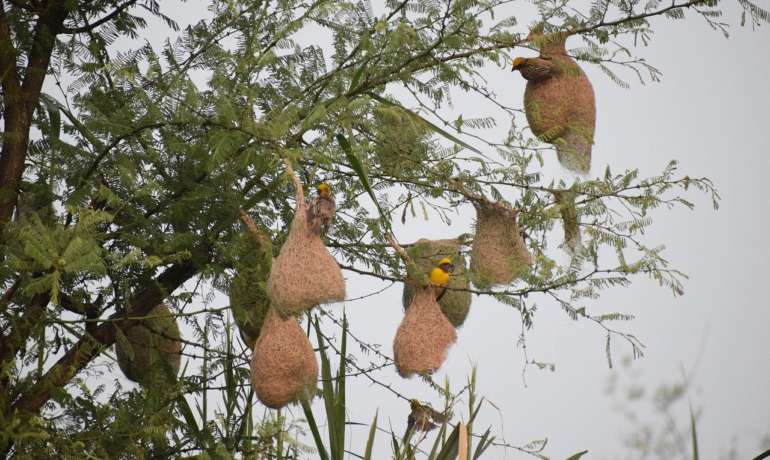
(248, 297)
(498, 254)
(559, 102)
(151, 350)
(426, 254)
(304, 274)
(249, 304)
(402, 142)
(424, 336)
(565, 199)
(283, 366)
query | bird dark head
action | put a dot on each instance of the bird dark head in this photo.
(446, 265)
(324, 190)
(414, 404)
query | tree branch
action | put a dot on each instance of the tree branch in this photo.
(20, 106)
(8, 71)
(89, 27)
(91, 345)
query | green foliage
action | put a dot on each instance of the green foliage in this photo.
(137, 170)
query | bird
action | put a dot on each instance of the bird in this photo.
(439, 275)
(422, 417)
(321, 210)
(559, 100)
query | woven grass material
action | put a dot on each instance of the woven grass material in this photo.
(559, 102)
(565, 199)
(153, 350)
(456, 302)
(424, 336)
(283, 366)
(304, 274)
(498, 253)
(247, 292)
(249, 304)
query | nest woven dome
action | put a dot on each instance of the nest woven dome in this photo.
(283, 366)
(304, 274)
(499, 254)
(561, 109)
(423, 337)
(155, 349)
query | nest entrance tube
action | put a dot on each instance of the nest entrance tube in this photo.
(153, 351)
(426, 254)
(304, 274)
(283, 366)
(424, 336)
(499, 254)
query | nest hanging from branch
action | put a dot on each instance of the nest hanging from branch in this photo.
(423, 337)
(498, 254)
(248, 297)
(559, 100)
(248, 303)
(153, 350)
(426, 254)
(283, 366)
(304, 274)
(565, 199)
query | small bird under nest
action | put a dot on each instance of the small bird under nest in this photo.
(423, 418)
(439, 276)
(321, 210)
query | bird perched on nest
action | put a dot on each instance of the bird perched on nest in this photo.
(559, 100)
(321, 211)
(423, 417)
(439, 275)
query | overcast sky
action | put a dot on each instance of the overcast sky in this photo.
(712, 113)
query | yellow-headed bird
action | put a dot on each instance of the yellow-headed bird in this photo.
(423, 417)
(439, 276)
(321, 210)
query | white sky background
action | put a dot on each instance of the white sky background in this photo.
(712, 113)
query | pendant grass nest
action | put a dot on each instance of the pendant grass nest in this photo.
(498, 254)
(426, 254)
(247, 290)
(248, 303)
(149, 350)
(304, 274)
(283, 366)
(423, 337)
(559, 100)
(565, 199)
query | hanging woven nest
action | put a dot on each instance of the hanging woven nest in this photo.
(304, 274)
(565, 199)
(249, 304)
(248, 296)
(426, 254)
(149, 350)
(424, 336)
(283, 366)
(559, 100)
(498, 253)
